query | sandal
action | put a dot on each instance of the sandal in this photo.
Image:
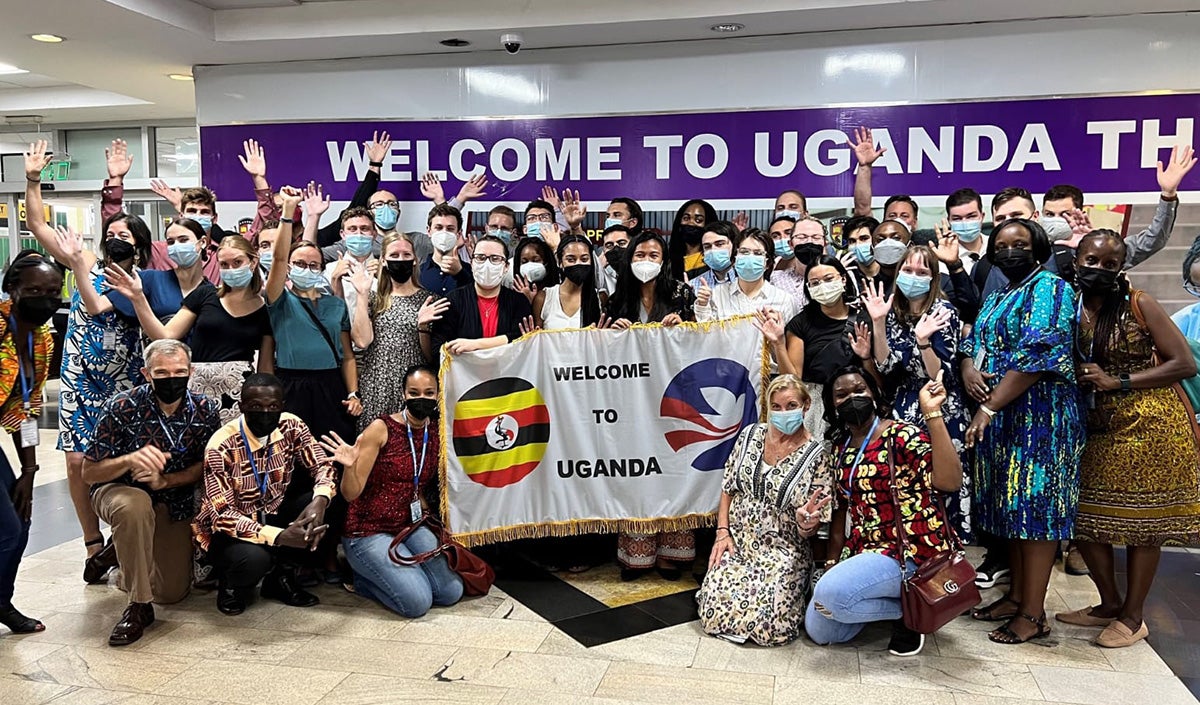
(1005, 634)
(17, 622)
(988, 614)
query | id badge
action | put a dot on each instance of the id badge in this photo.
(29, 433)
(415, 510)
(110, 340)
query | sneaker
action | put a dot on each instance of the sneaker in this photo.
(905, 642)
(817, 574)
(1074, 564)
(991, 573)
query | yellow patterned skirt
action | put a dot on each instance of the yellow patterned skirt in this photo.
(1140, 472)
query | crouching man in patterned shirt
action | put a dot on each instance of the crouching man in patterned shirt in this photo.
(254, 524)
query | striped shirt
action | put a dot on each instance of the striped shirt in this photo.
(232, 502)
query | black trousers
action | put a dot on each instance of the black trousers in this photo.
(242, 564)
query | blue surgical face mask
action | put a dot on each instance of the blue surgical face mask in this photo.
(265, 258)
(794, 215)
(359, 245)
(783, 249)
(386, 217)
(609, 222)
(533, 229)
(304, 278)
(863, 253)
(237, 278)
(205, 221)
(750, 268)
(788, 422)
(503, 234)
(183, 254)
(717, 260)
(967, 230)
(912, 286)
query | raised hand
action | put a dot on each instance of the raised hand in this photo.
(877, 306)
(528, 325)
(377, 148)
(118, 160)
(864, 146)
(848, 260)
(770, 323)
(128, 284)
(550, 195)
(860, 340)
(809, 516)
(171, 195)
(933, 394)
(573, 209)
(70, 243)
(339, 451)
(552, 234)
(1182, 160)
(291, 198)
(473, 188)
(741, 221)
(431, 188)
(254, 160)
(521, 285)
(946, 247)
(703, 294)
(315, 202)
(432, 310)
(36, 159)
(360, 278)
(932, 322)
(1081, 225)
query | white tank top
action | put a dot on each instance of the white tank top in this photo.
(553, 316)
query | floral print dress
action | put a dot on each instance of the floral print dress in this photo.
(758, 592)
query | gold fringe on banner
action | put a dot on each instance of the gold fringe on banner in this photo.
(580, 527)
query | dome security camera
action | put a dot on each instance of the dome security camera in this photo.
(511, 42)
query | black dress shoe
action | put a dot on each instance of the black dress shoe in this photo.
(231, 601)
(96, 567)
(138, 616)
(631, 574)
(281, 585)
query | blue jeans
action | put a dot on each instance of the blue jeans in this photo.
(14, 533)
(863, 588)
(408, 590)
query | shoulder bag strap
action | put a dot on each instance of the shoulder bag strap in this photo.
(901, 534)
(337, 360)
(939, 505)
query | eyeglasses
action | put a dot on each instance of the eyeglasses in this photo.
(818, 239)
(544, 218)
(313, 266)
(392, 204)
(485, 259)
(743, 251)
(613, 244)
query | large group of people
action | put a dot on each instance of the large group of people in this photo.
(239, 407)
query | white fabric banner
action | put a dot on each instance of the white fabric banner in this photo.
(580, 431)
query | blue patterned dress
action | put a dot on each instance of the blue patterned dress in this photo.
(1026, 468)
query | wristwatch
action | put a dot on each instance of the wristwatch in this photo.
(1126, 384)
(351, 395)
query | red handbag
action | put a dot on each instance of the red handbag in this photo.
(941, 588)
(476, 574)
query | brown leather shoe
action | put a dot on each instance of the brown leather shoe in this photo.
(1073, 562)
(95, 568)
(138, 616)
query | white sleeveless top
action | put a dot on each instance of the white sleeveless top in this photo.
(553, 316)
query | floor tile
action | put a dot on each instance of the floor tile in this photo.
(93, 696)
(17, 654)
(799, 659)
(22, 692)
(610, 625)
(536, 697)
(360, 689)
(512, 609)
(662, 684)
(252, 683)
(953, 674)
(1139, 658)
(106, 668)
(383, 658)
(514, 669)
(672, 609)
(673, 646)
(1056, 650)
(86, 629)
(227, 643)
(367, 620)
(1102, 688)
(803, 691)
(453, 630)
(550, 597)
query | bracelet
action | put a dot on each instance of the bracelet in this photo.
(30, 468)
(933, 415)
(287, 220)
(351, 395)
(375, 164)
(33, 181)
(990, 414)
(926, 346)
(722, 528)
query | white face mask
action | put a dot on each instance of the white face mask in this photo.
(488, 275)
(533, 271)
(827, 292)
(1057, 228)
(443, 240)
(645, 270)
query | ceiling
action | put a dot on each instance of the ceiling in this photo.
(115, 63)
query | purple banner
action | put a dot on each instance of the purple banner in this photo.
(1098, 144)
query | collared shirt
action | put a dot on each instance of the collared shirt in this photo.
(349, 293)
(133, 419)
(711, 279)
(970, 259)
(729, 300)
(12, 408)
(792, 284)
(434, 280)
(232, 502)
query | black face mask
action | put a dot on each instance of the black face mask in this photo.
(691, 234)
(1015, 264)
(421, 407)
(856, 411)
(169, 389)
(578, 273)
(809, 253)
(400, 270)
(117, 250)
(262, 423)
(1096, 280)
(36, 310)
(615, 257)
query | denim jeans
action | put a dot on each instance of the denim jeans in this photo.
(408, 590)
(14, 533)
(863, 588)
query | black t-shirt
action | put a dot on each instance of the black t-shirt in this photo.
(826, 347)
(220, 337)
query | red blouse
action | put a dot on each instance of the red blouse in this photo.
(383, 506)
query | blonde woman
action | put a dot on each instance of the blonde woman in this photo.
(385, 325)
(225, 326)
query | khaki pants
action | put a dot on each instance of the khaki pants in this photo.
(155, 552)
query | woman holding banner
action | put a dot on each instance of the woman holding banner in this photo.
(777, 490)
(574, 303)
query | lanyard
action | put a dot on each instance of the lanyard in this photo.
(263, 479)
(1087, 357)
(858, 458)
(26, 388)
(413, 449)
(177, 443)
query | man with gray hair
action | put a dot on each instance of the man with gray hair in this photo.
(143, 463)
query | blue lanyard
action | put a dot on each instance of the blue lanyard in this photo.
(177, 446)
(413, 449)
(26, 389)
(265, 478)
(858, 458)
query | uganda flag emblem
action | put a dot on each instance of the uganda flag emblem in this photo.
(501, 429)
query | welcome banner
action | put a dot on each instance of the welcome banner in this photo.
(582, 431)
(1103, 144)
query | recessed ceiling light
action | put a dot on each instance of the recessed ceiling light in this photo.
(728, 27)
(180, 76)
(9, 69)
(454, 42)
(48, 38)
